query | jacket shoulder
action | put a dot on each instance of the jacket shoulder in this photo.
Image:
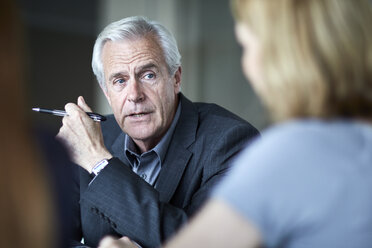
(214, 116)
(110, 129)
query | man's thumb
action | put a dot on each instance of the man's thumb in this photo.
(83, 105)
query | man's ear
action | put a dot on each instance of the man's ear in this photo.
(177, 80)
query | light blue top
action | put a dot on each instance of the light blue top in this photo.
(306, 184)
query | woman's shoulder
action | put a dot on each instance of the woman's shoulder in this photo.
(304, 132)
(292, 134)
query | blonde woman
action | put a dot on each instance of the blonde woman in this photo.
(310, 61)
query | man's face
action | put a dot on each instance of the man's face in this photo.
(142, 94)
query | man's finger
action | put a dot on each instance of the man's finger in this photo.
(71, 109)
(107, 242)
(83, 105)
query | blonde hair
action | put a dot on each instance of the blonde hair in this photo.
(316, 55)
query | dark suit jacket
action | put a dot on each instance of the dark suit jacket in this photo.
(118, 202)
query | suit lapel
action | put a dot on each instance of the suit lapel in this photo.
(117, 148)
(178, 154)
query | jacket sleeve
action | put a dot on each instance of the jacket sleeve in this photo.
(130, 205)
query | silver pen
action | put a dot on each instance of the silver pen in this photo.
(94, 116)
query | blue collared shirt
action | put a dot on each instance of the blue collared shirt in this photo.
(148, 164)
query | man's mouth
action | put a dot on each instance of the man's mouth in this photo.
(137, 115)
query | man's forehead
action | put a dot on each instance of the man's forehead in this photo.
(127, 50)
(149, 65)
(132, 55)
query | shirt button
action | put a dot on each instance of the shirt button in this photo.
(144, 176)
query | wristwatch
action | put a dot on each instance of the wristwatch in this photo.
(100, 166)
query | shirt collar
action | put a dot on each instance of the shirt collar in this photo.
(161, 148)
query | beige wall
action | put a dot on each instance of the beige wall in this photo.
(210, 54)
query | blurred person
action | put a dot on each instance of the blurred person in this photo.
(158, 156)
(34, 167)
(310, 61)
(307, 182)
(26, 209)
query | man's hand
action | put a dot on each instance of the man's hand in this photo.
(124, 242)
(82, 136)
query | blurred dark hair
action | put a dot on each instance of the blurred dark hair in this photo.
(26, 209)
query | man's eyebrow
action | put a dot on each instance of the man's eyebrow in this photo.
(146, 66)
(140, 69)
(115, 75)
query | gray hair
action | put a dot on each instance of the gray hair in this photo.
(135, 27)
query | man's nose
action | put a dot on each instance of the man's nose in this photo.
(135, 91)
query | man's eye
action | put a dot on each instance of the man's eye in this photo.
(149, 76)
(119, 81)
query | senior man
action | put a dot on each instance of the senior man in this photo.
(152, 164)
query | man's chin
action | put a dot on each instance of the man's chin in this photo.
(140, 135)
